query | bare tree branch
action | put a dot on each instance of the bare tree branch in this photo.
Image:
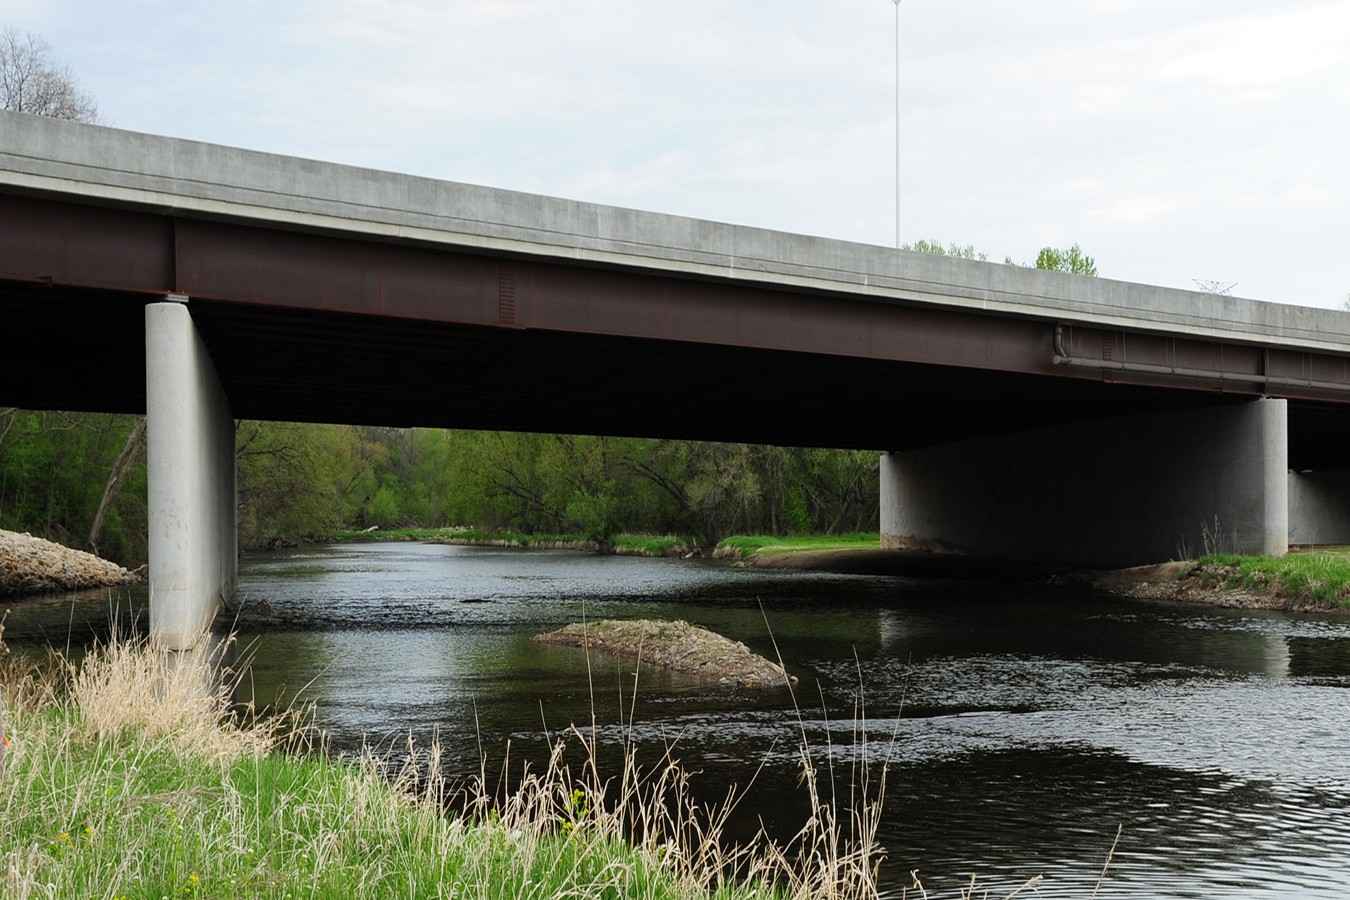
(31, 83)
(131, 450)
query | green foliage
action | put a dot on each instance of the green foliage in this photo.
(299, 481)
(937, 249)
(623, 544)
(304, 480)
(53, 469)
(1073, 260)
(383, 508)
(650, 545)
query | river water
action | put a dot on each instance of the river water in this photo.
(1022, 728)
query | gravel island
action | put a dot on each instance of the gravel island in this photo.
(677, 646)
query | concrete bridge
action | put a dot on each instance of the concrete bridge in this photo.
(1022, 414)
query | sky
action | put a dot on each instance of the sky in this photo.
(1199, 144)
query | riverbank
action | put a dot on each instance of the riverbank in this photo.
(30, 565)
(1305, 580)
(623, 544)
(1310, 579)
(1302, 581)
(123, 781)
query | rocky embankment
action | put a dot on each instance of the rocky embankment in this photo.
(677, 646)
(30, 565)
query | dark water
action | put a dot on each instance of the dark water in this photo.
(1022, 727)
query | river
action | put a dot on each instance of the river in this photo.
(1022, 727)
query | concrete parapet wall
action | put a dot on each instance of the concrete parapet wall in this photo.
(1109, 493)
(1319, 507)
(190, 457)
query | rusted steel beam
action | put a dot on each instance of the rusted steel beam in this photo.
(326, 274)
(58, 243)
(294, 270)
(332, 274)
(1143, 358)
(48, 242)
(490, 341)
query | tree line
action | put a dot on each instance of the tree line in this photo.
(79, 479)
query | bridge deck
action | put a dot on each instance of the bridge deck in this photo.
(329, 293)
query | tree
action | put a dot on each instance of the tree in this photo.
(75, 478)
(31, 83)
(1072, 260)
(299, 480)
(937, 249)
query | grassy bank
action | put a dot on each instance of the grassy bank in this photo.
(122, 781)
(623, 544)
(744, 546)
(736, 547)
(1321, 577)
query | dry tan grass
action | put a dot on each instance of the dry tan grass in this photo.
(183, 695)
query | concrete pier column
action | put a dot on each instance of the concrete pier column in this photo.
(1109, 493)
(1319, 507)
(190, 462)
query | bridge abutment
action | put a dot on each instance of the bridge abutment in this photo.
(1319, 507)
(190, 462)
(1108, 493)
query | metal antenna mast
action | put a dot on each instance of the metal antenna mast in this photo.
(897, 123)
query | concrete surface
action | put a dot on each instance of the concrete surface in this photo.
(90, 162)
(190, 462)
(1108, 493)
(1319, 507)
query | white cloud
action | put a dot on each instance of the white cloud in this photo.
(1262, 51)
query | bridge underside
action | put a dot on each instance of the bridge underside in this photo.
(328, 328)
(300, 326)
(304, 365)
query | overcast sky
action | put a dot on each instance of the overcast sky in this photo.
(1175, 140)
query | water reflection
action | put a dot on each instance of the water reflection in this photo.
(1022, 727)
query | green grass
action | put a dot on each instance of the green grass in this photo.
(627, 544)
(128, 817)
(759, 544)
(1321, 576)
(108, 792)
